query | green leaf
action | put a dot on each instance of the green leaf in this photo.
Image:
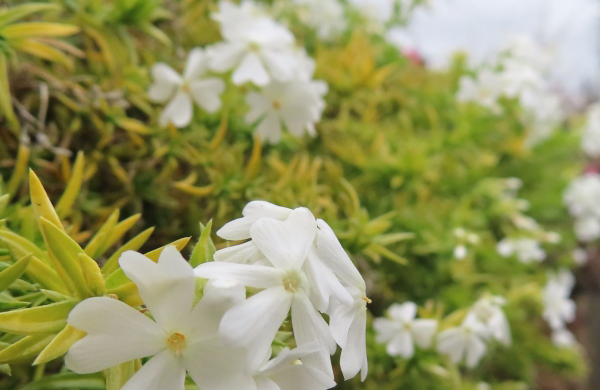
(6, 108)
(11, 14)
(26, 348)
(92, 275)
(60, 344)
(205, 248)
(68, 381)
(42, 206)
(11, 305)
(96, 245)
(37, 320)
(117, 376)
(63, 207)
(14, 272)
(132, 245)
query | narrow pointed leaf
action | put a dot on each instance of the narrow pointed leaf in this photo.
(205, 248)
(20, 11)
(68, 381)
(95, 247)
(43, 51)
(37, 320)
(19, 170)
(63, 207)
(41, 203)
(60, 344)
(92, 275)
(26, 348)
(6, 107)
(14, 272)
(132, 245)
(38, 29)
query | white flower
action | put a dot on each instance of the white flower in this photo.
(325, 16)
(484, 386)
(460, 252)
(402, 331)
(463, 237)
(484, 90)
(181, 90)
(400, 38)
(239, 229)
(559, 309)
(465, 341)
(256, 46)
(297, 104)
(587, 228)
(285, 372)
(376, 12)
(181, 337)
(581, 197)
(590, 142)
(488, 310)
(287, 284)
(527, 250)
(580, 257)
(563, 338)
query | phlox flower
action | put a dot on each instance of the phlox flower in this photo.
(296, 104)
(484, 90)
(464, 342)
(587, 228)
(376, 12)
(257, 47)
(181, 90)
(563, 338)
(402, 331)
(325, 16)
(488, 310)
(464, 238)
(527, 250)
(287, 285)
(181, 337)
(581, 197)
(285, 372)
(559, 309)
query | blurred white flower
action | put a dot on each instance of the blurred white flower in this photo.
(581, 197)
(297, 104)
(376, 12)
(180, 91)
(559, 309)
(484, 386)
(580, 257)
(587, 228)
(590, 142)
(287, 285)
(181, 337)
(526, 250)
(488, 310)
(464, 342)
(256, 46)
(563, 338)
(484, 90)
(464, 238)
(402, 331)
(285, 373)
(325, 16)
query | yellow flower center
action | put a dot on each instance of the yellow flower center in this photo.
(276, 104)
(176, 343)
(367, 300)
(292, 282)
(186, 88)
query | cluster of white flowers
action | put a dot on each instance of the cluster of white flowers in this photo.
(258, 50)
(326, 17)
(464, 241)
(527, 250)
(559, 309)
(590, 142)
(484, 321)
(296, 264)
(518, 72)
(581, 198)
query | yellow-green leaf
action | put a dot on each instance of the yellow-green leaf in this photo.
(4, 199)
(179, 244)
(60, 344)
(66, 201)
(20, 11)
(20, 246)
(25, 348)
(37, 320)
(38, 29)
(92, 274)
(6, 108)
(127, 293)
(132, 125)
(14, 272)
(205, 248)
(132, 245)
(117, 376)
(119, 231)
(42, 50)
(19, 170)
(96, 245)
(42, 206)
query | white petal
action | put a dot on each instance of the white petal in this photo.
(246, 253)
(195, 65)
(206, 93)
(260, 208)
(324, 284)
(288, 356)
(354, 355)
(330, 252)
(224, 55)
(386, 329)
(281, 65)
(310, 327)
(178, 112)
(251, 69)
(475, 350)
(265, 383)
(259, 106)
(163, 371)
(269, 129)
(340, 319)
(302, 377)
(116, 333)
(452, 343)
(258, 276)
(219, 296)
(165, 81)
(167, 287)
(214, 366)
(423, 331)
(254, 322)
(238, 229)
(405, 312)
(286, 244)
(401, 345)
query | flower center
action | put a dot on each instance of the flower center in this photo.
(254, 47)
(367, 300)
(176, 343)
(186, 88)
(292, 282)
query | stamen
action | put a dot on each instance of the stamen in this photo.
(367, 300)
(176, 343)
(276, 104)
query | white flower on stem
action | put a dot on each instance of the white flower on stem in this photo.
(488, 310)
(256, 46)
(402, 331)
(296, 104)
(559, 309)
(325, 16)
(239, 229)
(527, 250)
(464, 342)
(181, 90)
(563, 338)
(286, 373)
(484, 90)
(587, 228)
(590, 142)
(181, 337)
(254, 322)
(581, 197)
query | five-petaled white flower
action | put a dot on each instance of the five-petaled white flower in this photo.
(181, 337)
(297, 104)
(402, 330)
(181, 90)
(527, 250)
(488, 310)
(256, 46)
(464, 342)
(559, 309)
